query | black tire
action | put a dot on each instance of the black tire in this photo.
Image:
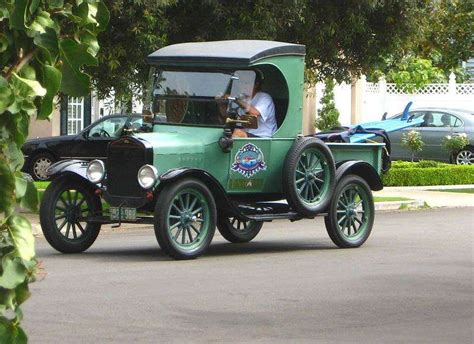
(61, 211)
(236, 230)
(185, 218)
(318, 183)
(352, 197)
(39, 164)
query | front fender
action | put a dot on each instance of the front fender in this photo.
(363, 170)
(72, 168)
(223, 203)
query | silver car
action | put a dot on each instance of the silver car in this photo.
(437, 123)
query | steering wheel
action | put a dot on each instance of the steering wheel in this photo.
(104, 133)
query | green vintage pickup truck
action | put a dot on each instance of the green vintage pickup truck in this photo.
(186, 173)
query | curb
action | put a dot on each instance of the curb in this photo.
(397, 205)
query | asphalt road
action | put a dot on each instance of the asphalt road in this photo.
(411, 282)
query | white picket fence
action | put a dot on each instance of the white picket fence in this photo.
(381, 97)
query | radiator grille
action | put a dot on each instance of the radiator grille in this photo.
(125, 157)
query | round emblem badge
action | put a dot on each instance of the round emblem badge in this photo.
(249, 160)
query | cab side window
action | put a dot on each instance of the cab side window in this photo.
(111, 127)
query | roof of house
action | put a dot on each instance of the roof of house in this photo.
(232, 51)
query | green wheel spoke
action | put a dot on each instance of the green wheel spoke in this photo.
(189, 235)
(195, 229)
(68, 228)
(183, 236)
(181, 202)
(175, 217)
(178, 232)
(341, 219)
(193, 203)
(358, 220)
(74, 233)
(62, 225)
(80, 228)
(198, 210)
(60, 217)
(176, 224)
(176, 207)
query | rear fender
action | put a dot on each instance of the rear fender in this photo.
(361, 169)
(223, 202)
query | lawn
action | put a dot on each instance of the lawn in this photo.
(471, 190)
(391, 199)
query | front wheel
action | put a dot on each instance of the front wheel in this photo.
(351, 213)
(64, 212)
(236, 230)
(185, 218)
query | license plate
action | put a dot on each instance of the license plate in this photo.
(124, 214)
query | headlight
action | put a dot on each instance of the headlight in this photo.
(95, 171)
(147, 176)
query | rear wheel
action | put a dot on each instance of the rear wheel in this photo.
(237, 230)
(465, 157)
(66, 205)
(309, 176)
(185, 219)
(351, 213)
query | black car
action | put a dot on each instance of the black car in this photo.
(89, 144)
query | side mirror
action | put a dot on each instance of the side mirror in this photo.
(85, 134)
(246, 121)
(384, 116)
(148, 116)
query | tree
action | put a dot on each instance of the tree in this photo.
(43, 48)
(342, 38)
(136, 28)
(328, 115)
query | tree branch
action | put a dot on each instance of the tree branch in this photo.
(22, 60)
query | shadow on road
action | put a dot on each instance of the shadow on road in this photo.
(142, 254)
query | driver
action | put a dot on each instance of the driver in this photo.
(261, 106)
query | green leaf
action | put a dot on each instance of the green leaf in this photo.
(3, 43)
(18, 16)
(34, 6)
(87, 37)
(75, 55)
(42, 22)
(30, 200)
(7, 181)
(52, 81)
(6, 95)
(14, 272)
(55, 3)
(7, 298)
(20, 230)
(48, 42)
(29, 88)
(20, 186)
(102, 16)
(7, 331)
(22, 293)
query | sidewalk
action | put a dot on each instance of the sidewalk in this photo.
(430, 195)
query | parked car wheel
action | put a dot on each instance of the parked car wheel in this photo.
(40, 164)
(309, 176)
(65, 206)
(465, 157)
(236, 230)
(351, 213)
(185, 218)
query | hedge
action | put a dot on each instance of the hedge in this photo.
(424, 173)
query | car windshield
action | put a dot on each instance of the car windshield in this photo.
(197, 97)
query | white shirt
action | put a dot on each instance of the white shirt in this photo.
(267, 124)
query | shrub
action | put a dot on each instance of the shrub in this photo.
(455, 143)
(412, 140)
(328, 115)
(443, 174)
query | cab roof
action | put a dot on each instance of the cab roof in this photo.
(242, 52)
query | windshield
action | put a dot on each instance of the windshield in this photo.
(196, 97)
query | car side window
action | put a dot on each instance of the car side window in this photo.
(111, 127)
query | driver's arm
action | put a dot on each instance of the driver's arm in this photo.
(250, 109)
